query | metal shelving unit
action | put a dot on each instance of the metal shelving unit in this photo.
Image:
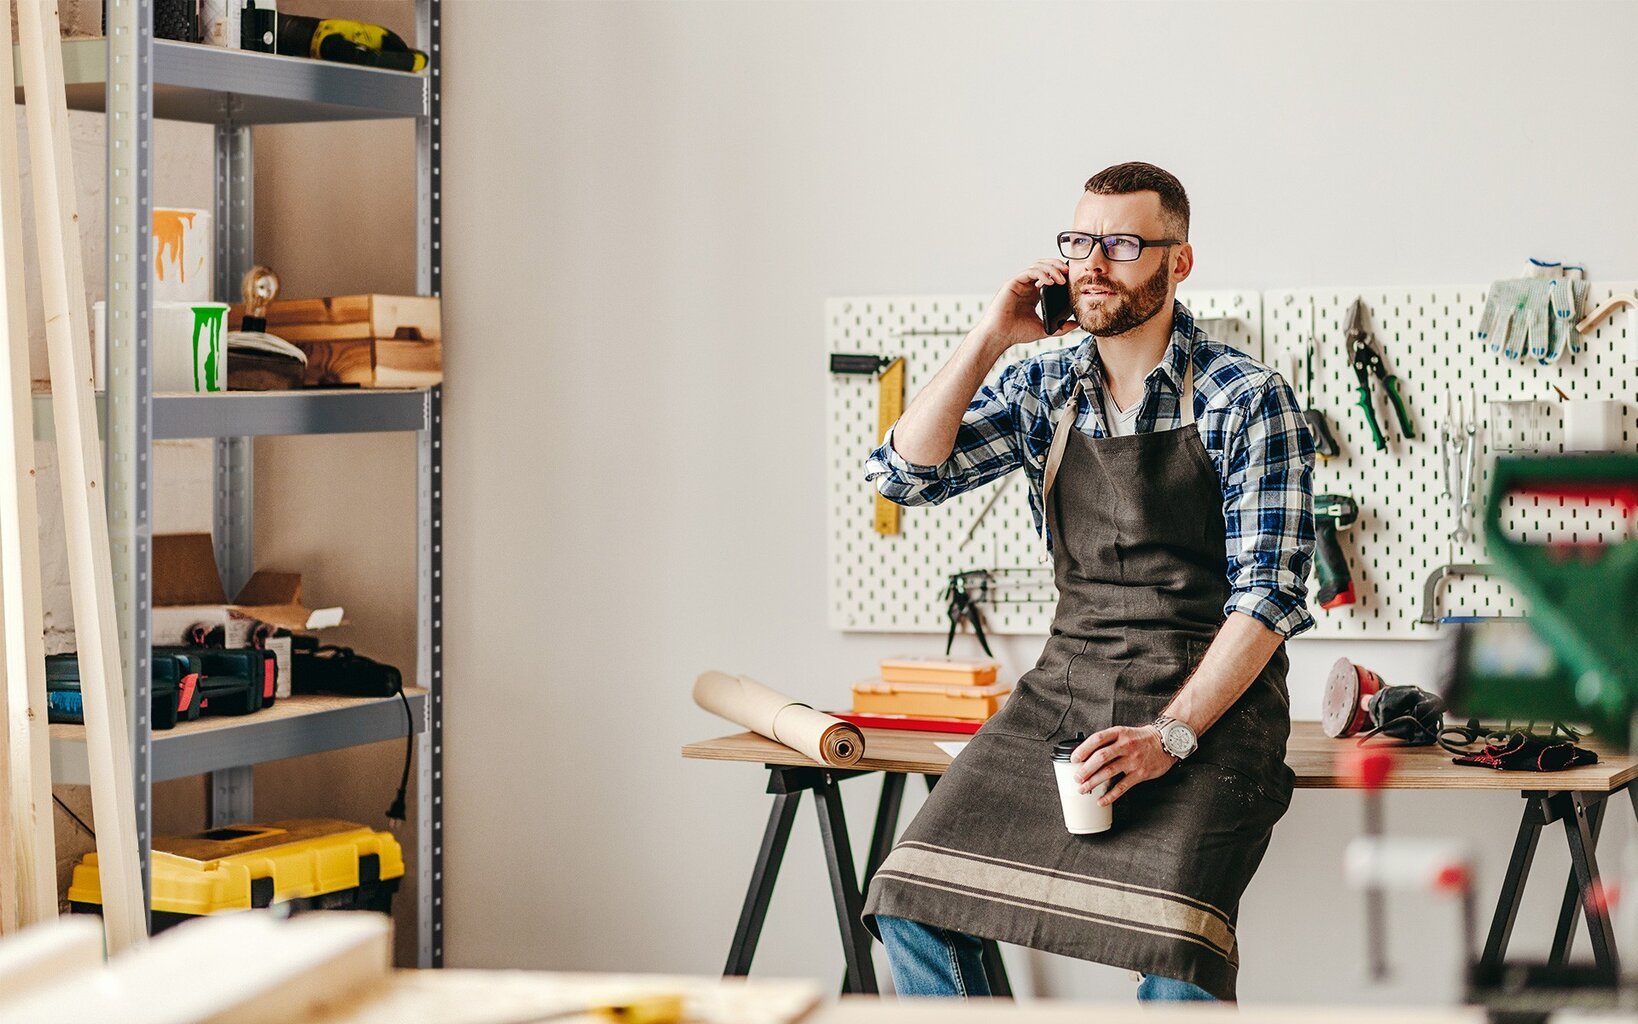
(134, 78)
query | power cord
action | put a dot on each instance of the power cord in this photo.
(396, 811)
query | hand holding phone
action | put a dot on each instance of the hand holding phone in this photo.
(1055, 308)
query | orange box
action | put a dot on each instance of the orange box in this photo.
(928, 700)
(946, 671)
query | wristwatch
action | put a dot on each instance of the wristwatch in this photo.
(1176, 738)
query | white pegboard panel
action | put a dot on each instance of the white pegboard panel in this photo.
(894, 583)
(1405, 529)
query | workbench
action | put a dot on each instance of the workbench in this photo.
(1577, 798)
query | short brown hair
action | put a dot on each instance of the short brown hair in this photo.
(1137, 176)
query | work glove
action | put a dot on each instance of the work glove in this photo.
(1535, 314)
(1523, 753)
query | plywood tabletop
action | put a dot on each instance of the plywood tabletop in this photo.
(1312, 755)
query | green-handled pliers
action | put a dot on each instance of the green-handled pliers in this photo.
(1366, 362)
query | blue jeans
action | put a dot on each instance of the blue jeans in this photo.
(929, 961)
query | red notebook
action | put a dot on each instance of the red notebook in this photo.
(902, 722)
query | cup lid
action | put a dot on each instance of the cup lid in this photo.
(1063, 748)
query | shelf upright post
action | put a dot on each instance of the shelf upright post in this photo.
(429, 513)
(127, 467)
(231, 796)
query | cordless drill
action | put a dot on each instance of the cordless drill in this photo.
(1333, 512)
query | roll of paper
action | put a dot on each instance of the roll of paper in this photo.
(748, 703)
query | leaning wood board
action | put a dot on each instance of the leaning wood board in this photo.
(1312, 755)
(85, 516)
(30, 855)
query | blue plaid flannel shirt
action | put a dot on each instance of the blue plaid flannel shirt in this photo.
(1248, 418)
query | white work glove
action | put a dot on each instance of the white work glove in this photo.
(1536, 314)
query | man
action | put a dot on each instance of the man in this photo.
(1152, 452)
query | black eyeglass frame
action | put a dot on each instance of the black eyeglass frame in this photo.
(1103, 241)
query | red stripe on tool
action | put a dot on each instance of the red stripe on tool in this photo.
(1345, 597)
(189, 681)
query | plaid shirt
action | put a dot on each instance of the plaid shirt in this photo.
(1248, 418)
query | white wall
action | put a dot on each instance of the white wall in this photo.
(646, 206)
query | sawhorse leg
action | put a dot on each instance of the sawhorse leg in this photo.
(1582, 814)
(787, 784)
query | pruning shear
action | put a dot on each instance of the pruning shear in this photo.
(1368, 361)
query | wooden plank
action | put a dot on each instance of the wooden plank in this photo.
(507, 997)
(30, 855)
(1311, 754)
(85, 516)
(303, 969)
(871, 1010)
(47, 954)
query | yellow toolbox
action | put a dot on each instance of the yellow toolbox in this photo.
(305, 864)
(947, 671)
(929, 700)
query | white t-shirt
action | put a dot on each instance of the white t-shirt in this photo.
(1120, 421)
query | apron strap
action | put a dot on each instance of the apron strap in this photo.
(1185, 401)
(1060, 440)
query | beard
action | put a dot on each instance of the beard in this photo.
(1126, 308)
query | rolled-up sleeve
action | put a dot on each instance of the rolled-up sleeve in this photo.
(1268, 507)
(988, 444)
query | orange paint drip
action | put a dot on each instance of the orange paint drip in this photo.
(170, 227)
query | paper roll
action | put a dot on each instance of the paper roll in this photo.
(748, 703)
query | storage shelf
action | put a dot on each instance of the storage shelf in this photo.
(215, 85)
(317, 411)
(259, 413)
(290, 728)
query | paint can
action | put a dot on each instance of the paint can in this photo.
(184, 255)
(188, 346)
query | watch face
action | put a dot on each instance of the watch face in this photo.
(1178, 739)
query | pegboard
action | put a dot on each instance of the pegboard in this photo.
(1404, 533)
(895, 583)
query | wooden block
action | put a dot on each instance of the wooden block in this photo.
(349, 317)
(408, 364)
(339, 362)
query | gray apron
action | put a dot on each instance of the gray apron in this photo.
(1141, 568)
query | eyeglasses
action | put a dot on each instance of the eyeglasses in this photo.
(1077, 245)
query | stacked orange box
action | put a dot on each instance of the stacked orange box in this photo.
(957, 689)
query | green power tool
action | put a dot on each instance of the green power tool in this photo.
(1575, 658)
(1332, 514)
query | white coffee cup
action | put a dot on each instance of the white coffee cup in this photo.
(1083, 815)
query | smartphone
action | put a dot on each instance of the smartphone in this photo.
(1055, 307)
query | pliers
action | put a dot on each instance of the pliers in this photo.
(1367, 361)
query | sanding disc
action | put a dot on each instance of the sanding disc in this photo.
(1346, 690)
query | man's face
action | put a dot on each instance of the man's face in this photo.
(1110, 297)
